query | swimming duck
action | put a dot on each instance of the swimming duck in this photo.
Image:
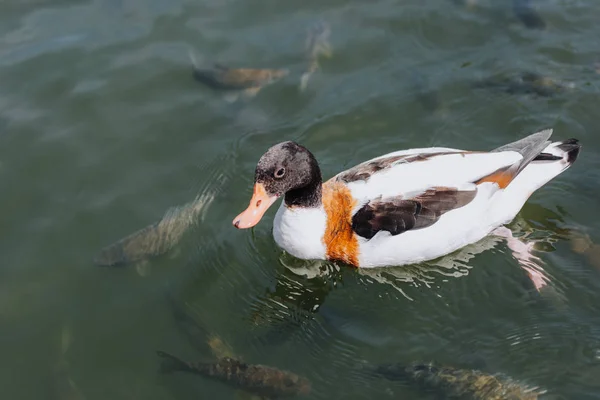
(403, 207)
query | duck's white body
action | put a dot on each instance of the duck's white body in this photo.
(307, 233)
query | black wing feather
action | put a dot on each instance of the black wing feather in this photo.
(397, 215)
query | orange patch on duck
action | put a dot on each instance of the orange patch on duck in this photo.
(339, 238)
(501, 177)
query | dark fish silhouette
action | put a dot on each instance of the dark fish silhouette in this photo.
(527, 14)
(257, 379)
(248, 81)
(455, 383)
(155, 239)
(527, 83)
(317, 44)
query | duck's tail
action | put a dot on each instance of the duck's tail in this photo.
(555, 158)
(529, 147)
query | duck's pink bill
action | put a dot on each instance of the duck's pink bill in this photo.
(259, 204)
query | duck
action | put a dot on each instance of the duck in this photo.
(404, 207)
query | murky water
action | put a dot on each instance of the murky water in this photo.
(103, 131)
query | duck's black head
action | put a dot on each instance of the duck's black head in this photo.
(285, 169)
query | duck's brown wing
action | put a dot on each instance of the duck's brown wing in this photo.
(399, 214)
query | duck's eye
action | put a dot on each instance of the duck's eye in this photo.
(279, 173)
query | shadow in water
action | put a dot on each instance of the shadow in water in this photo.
(293, 301)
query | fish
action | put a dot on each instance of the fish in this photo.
(581, 243)
(64, 386)
(203, 340)
(260, 380)
(317, 44)
(526, 13)
(248, 81)
(527, 82)
(456, 383)
(155, 239)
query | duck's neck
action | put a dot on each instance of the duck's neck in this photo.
(309, 196)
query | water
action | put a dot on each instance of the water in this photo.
(102, 130)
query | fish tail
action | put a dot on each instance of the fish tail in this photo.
(304, 80)
(171, 363)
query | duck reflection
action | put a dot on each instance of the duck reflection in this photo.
(302, 288)
(298, 294)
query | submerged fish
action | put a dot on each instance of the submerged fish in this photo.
(581, 243)
(317, 44)
(64, 387)
(245, 80)
(455, 383)
(527, 83)
(527, 14)
(219, 347)
(155, 239)
(261, 380)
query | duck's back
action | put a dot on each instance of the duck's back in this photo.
(420, 204)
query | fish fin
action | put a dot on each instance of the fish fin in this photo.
(175, 253)
(581, 242)
(142, 267)
(171, 363)
(219, 348)
(304, 81)
(251, 92)
(325, 50)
